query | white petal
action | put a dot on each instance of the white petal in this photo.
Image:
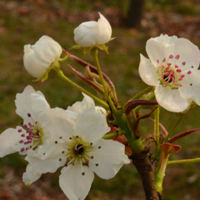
(171, 100)
(58, 125)
(31, 175)
(78, 107)
(148, 72)
(159, 48)
(105, 30)
(39, 103)
(8, 140)
(191, 86)
(91, 125)
(23, 102)
(47, 158)
(74, 184)
(87, 34)
(188, 52)
(108, 157)
(26, 103)
(31, 65)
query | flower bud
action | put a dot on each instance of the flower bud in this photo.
(39, 57)
(89, 34)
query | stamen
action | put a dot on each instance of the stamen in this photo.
(176, 66)
(183, 63)
(189, 72)
(25, 126)
(164, 60)
(178, 70)
(171, 56)
(177, 57)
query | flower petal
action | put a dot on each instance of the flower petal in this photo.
(75, 181)
(191, 86)
(30, 62)
(31, 175)
(148, 72)
(58, 125)
(87, 34)
(91, 125)
(105, 30)
(11, 141)
(171, 99)
(159, 48)
(47, 158)
(23, 102)
(30, 102)
(108, 157)
(78, 107)
(189, 53)
(8, 139)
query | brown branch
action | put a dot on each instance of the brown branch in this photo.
(145, 168)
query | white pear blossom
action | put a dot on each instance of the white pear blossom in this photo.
(172, 68)
(31, 107)
(92, 33)
(39, 57)
(79, 148)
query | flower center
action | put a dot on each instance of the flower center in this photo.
(33, 136)
(78, 150)
(170, 74)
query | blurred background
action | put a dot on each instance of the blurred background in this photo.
(133, 22)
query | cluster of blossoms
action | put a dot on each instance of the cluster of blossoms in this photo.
(72, 139)
(52, 138)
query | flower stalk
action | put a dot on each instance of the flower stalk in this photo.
(156, 130)
(184, 161)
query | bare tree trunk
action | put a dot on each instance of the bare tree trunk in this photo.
(134, 13)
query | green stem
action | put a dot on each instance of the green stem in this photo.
(156, 130)
(110, 135)
(95, 57)
(64, 59)
(137, 96)
(160, 172)
(173, 127)
(185, 161)
(94, 54)
(96, 99)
